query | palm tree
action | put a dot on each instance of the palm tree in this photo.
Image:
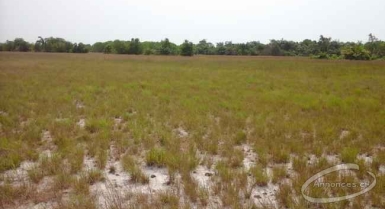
(42, 42)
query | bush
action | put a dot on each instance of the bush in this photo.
(107, 49)
(186, 49)
(321, 55)
(355, 52)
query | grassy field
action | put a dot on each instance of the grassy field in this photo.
(110, 131)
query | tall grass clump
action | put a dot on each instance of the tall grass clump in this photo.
(349, 154)
(259, 175)
(136, 174)
(156, 157)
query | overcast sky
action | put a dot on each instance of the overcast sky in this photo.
(89, 21)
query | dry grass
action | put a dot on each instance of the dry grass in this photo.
(280, 106)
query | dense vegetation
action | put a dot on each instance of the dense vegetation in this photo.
(324, 48)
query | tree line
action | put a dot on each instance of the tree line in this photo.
(323, 48)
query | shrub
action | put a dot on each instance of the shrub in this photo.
(186, 49)
(355, 52)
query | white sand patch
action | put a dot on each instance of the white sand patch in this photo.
(41, 205)
(382, 169)
(158, 178)
(81, 123)
(203, 176)
(47, 140)
(79, 105)
(114, 184)
(249, 156)
(312, 159)
(117, 184)
(118, 120)
(45, 153)
(3, 113)
(46, 183)
(19, 176)
(88, 163)
(46, 137)
(332, 159)
(265, 196)
(181, 132)
(344, 134)
(117, 123)
(368, 159)
(61, 119)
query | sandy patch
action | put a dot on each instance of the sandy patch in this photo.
(265, 196)
(366, 158)
(202, 175)
(81, 123)
(181, 132)
(250, 156)
(19, 176)
(344, 134)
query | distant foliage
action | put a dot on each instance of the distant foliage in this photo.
(79, 48)
(107, 49)
(355, 52)
(167, 48)
(187, 49)
(135, 47)
(323, 48)
(17, 45)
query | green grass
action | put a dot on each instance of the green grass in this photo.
(156, 157)
(349, 154)
(280, 106)
(259, 175)
(130, 165)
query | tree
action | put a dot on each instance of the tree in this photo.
(98, 47)
(8, 46)
(204, 47)
(107, 49)
(324, 43)
(355, 52)
(165, 47)
(374, 46)
(135, 47)
(220, 49)
(242, 49)
(40, 44)
(308, 47)
(187, 49)
(255, 47)
(79, 48)
(275, 49)
(120, 47)
(21, 45)
(230, 48)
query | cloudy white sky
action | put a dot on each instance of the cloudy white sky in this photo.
(90, 21)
